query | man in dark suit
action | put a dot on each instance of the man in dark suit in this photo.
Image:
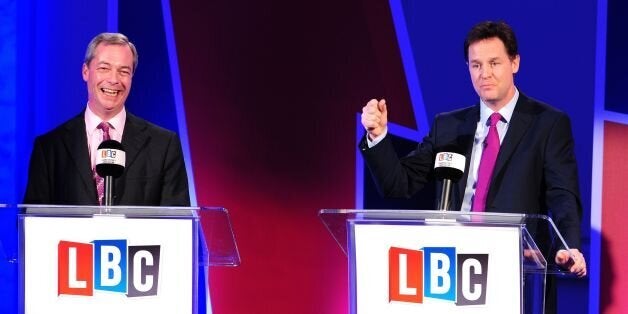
(534, 169)
(63, 160)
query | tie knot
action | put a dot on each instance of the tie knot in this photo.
(494, 118)
(104, 126)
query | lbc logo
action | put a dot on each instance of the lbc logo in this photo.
(108, 153)
(445, 157)
(439, 273)
(105, 265)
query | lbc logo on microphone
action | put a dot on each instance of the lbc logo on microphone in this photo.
(108, 153)
(438, 273)
(445, 157)
(108, 265)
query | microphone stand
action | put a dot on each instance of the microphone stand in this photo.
(108, 197)
(444, 196)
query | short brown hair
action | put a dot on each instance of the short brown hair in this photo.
(491, 29)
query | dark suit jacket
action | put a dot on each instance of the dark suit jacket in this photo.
(535, 171)
(60, 168)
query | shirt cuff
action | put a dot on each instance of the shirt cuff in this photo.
(376, 140)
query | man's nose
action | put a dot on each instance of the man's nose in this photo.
(114, 77)
(486, 71)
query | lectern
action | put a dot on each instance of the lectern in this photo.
(84, 259)
(420, 261)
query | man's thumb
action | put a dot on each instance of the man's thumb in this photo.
(562, 257)
(381, 106)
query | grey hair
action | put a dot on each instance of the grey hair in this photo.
(110, 39)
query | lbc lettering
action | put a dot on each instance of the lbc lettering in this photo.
(108, 153)
(105, 265)
(445, 156)
(438, 273)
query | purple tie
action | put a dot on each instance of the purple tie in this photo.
(487, 164)
(100, 181)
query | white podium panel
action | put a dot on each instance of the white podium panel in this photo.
(108, 265)
(398, 269)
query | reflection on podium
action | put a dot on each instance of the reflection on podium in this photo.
(419, 261)
(86, 259)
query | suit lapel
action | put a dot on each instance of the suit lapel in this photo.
(134, 139)
(75, 141)
(519, 124)
(467, 130)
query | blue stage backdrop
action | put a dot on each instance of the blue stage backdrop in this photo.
(8, 142)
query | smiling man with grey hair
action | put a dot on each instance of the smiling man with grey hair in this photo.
(63, 160)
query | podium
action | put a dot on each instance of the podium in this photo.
(420, 261)
(94, 259)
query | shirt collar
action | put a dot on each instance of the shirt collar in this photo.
(92, 121)
(506, 111)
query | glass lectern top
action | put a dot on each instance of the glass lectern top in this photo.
(540, 237)
(217, 246)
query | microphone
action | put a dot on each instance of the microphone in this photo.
(448, 167)
(110, 162)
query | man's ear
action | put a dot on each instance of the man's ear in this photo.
(515, 64)
(85, 71)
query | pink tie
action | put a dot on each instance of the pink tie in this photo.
(100, 181)
(487, 164)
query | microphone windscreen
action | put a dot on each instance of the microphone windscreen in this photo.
(110, 159)
(449, 166)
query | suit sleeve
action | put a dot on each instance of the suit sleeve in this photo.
(561, 178)
(175, 190)
(38, 189)
(399, 177)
